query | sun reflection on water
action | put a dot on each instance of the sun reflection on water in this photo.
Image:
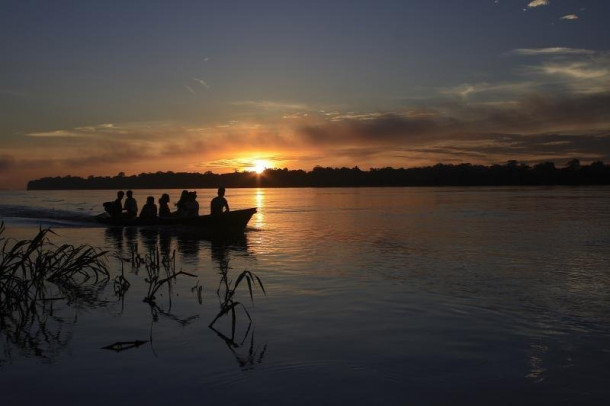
(259, 197)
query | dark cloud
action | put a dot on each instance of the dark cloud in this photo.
(529, 148)
(542, 113)
(534, 127)
(382, 129)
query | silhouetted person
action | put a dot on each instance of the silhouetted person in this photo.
(164, 210)
(131, 206)
(191, 206)
(149, 210)
(219, 203)
(180, 205)
(116, 208)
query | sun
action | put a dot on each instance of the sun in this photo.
(259, 165)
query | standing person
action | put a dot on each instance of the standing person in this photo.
(131, 206)
(219, 203)
(149, 210)
(164, 210)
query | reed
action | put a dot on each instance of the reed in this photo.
(121, 284)
(35, 273)
(198, 289)
(228, 289)
(154, 264)
(29, 267)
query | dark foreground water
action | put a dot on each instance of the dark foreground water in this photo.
(419, 296)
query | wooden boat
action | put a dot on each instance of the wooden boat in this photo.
(234, 221)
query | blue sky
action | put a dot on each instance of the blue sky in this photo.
(102, 87)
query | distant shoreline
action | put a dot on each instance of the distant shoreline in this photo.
(510, 174)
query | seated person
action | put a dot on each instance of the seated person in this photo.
(115, 208)
(149, 211)
(219, 203)
(131, 206)
(164, 210)
(191, 205)
(180, 205)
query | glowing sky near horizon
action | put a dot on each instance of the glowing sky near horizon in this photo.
(96, 88)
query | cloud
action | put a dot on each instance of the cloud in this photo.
(551, 51)
(554, 69)
(538, 113)
(537, 127)
(530, 149)
(56, 134)
(385, 129)
(354, 116)
(567, 69)
(202, 83)
(190, 89)
(78, 132)
(271, 105)
(538, 3)
(107, 131)
(532, 127)
(557, 107)
(569, 17)
(465, 90)
(98, 127)
(105, 148)
(576, 76)
(577, 70)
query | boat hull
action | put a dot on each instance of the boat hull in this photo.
(231, 222)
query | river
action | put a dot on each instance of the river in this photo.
(402, 295)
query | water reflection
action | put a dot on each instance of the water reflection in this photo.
(124, 345)
(44, 333)
(146, 257)
(241, 340)
(42, 327)
(153, 250)
(259, 220)
(128, 240)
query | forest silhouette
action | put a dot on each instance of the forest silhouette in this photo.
(511, 173)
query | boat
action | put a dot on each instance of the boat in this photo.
(234, 221)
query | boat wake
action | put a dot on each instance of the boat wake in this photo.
(27, 215)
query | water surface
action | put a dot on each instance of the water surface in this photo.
(403, 295)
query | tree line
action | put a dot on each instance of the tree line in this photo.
(511, 173)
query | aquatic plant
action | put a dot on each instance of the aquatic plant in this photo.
(136, 258)
(124, 345)
(154, 262)
(33, 275)
(121, 284)
(227, 302)
(245, 359)
(28, 267)
(198, 289)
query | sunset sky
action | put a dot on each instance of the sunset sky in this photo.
(99, 87)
